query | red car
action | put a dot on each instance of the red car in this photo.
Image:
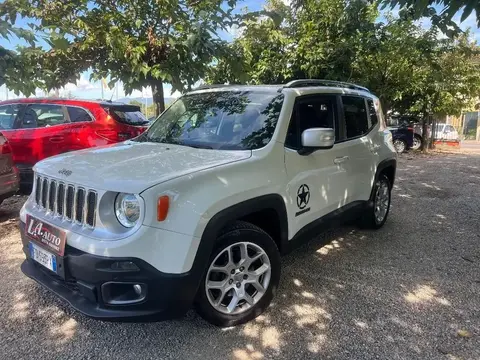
(8, 172)
(40, 128)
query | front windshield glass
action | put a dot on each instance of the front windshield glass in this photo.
(230, 120)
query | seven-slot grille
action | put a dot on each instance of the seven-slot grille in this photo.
(75, 204)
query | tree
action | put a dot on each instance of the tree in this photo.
(444, 20)
(139, 42)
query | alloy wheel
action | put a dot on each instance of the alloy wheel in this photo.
(382, 201)
(238, 278)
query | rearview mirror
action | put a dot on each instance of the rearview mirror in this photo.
(316, 139)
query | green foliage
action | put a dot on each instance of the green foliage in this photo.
(411, 69)
(139, 42)
(420, 8)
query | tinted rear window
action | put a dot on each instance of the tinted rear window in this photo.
(130, 115)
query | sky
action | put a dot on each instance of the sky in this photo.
(86, 89)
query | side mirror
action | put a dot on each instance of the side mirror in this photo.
(316, 139)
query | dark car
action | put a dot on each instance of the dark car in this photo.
(403, 137)
(413, 122)
(39, 128)
(9, 180)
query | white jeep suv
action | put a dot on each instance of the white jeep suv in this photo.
(198, 209)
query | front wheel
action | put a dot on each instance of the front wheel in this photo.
(242, 276)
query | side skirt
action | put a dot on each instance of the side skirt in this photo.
(334, 219)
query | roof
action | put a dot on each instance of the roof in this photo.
(61, 101)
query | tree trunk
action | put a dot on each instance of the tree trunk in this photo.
(158, 96)
(433, 134)
(425, 139)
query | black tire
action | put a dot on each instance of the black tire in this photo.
(400, 146)
(369, 219)
(240, 232)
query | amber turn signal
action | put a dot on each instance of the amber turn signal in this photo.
(162, 207)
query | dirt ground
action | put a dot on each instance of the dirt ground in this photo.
(408, 291)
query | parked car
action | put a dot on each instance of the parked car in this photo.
(40, 128)
(9, 179)
(446, 132)
(412, 122)
(403, 138)
(199, 208)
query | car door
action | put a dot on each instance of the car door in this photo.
(9, 123)
(317, 183)
(360, 147)
(41, 132)
(81, 132)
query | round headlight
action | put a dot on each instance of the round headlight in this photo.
(127, 209)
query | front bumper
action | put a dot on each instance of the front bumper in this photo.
(81, 276)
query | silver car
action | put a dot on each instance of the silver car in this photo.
(9, 179)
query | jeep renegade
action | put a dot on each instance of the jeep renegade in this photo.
(198, 209)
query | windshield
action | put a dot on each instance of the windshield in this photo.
(219, 120)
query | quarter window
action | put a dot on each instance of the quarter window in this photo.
(43, 115)
(311, 112)
(373, 112)
(77, 114)
(356, 120)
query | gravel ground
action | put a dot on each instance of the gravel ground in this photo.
(408, 291)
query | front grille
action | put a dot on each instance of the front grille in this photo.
(75, 204)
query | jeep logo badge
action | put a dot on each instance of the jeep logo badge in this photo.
(303, 197)
(65, 172)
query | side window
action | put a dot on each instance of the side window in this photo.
(77, 114)
(356, 120)
(43, 115)
(8, 115)
(373, 112)
(311, 112)
(450, 128)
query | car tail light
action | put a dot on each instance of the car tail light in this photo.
(115, 135)
(5, 147)
(410, 129)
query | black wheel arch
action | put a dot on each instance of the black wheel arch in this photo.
(387, 167)
(272, 202)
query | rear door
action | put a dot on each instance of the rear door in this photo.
(360, 147)
(41, 132)
(80, 128)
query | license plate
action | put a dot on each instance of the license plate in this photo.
(48, 235)
(43, 257)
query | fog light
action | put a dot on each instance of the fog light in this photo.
(138, 289)
(117, 293)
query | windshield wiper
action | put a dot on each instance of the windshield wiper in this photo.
(196, 146)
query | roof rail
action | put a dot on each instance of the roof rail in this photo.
(212, 86)
(320, 82)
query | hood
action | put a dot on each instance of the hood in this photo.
(132, 166)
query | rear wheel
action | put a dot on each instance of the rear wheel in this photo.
(417, 142)
(400, 146)
(242, 276)
(378, 208)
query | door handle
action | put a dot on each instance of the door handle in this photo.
(341, 160)
(56, 139)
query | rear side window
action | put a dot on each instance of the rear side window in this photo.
(373, 112)
(8, 115)
(311, 112)
(130, 115)
(356, 120)
(77, 114)
(43, 115)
